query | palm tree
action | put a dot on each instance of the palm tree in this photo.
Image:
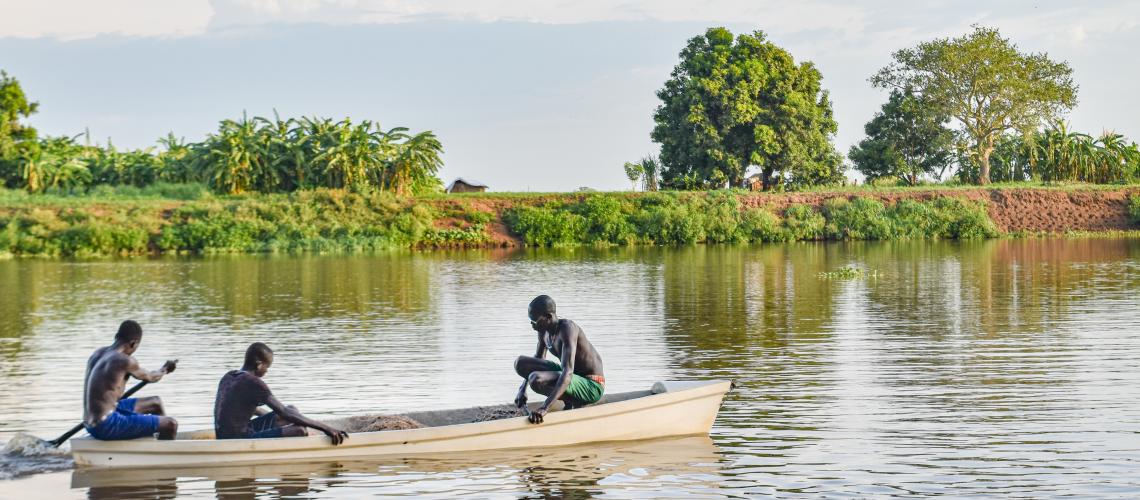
(234, 159)
(417, 159)
(652, 172)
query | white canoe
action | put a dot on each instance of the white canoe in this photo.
(668, 409)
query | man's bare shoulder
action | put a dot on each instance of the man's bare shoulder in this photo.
(567, 327)
(109, 359)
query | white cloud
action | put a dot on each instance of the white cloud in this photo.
(70, 19)
(803, 15)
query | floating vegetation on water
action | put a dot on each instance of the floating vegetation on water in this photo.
(849, 273)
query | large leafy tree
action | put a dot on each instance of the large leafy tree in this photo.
(735, 103)
(905, 140)
(15, 137)
(985, 83)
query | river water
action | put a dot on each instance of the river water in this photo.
(1004, 367)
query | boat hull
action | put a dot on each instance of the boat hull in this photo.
(686, 408)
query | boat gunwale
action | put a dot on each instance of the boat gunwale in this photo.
(268, 447)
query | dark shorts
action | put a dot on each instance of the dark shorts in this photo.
(583, 390)
(262, 427)
(124, 423)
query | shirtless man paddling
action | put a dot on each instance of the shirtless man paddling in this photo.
(577, 381)
(104, 415)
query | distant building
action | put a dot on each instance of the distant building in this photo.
(754, 182)
(461, 185)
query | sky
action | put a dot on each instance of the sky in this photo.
(526, 95)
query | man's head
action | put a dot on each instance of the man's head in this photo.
(542, 313)
(129, 336)
(258, 358)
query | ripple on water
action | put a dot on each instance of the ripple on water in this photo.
(966, 369)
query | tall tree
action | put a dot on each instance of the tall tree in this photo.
(986, 84)
(15, 137)
(734, 103)
(905, 140)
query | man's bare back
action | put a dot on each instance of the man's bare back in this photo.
(106, 416)
(104, 383)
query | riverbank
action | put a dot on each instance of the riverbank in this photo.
(179, 219)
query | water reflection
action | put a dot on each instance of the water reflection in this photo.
(689, 465)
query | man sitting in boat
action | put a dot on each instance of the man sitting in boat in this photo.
(577, 381)
(241, 393)
(107, 417)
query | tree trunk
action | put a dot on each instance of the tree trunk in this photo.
(766, 179)
(984, 150)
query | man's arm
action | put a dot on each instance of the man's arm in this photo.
(338, 436)
(540, 353)
(138, 372)
(569, 349)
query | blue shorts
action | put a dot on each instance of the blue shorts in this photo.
(261, 427)
(124, 423)
(264, 426)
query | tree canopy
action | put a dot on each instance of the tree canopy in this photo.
(14, 106)
(735, 103)
(905, 140)
(985, 83)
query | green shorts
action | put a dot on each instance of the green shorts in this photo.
(585, 391)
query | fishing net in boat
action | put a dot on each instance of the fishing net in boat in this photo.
(370, 423)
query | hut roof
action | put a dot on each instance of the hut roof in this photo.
(468, 182)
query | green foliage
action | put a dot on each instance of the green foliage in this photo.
(762, 226)
(722, 218)
(734, 103)
(546, 226)
(651, 172)
(306, 221)
(259, 154)
(906, 140)
(126, 220)
(985, 83)
(14, 135)
(634, 172)
(1134, 208)
(606, 221)
(803, 223)
(857, 219)
(1057, 154)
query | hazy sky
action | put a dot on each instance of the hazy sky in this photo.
(524, 94)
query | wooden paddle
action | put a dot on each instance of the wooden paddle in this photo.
(67, 435)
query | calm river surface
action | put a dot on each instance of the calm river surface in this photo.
(989, 368)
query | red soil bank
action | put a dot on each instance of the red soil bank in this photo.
(1012, 209)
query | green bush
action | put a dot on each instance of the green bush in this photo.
(325, 220)
(913, 219)
(966, 219)
(479, 217)
(606, 221)
(722, 218)
(761, 226)
(672, 224)
(857, 219)
(803, 223)
(1134, 208)
(547, 226)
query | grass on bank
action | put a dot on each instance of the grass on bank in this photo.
(164, 219)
